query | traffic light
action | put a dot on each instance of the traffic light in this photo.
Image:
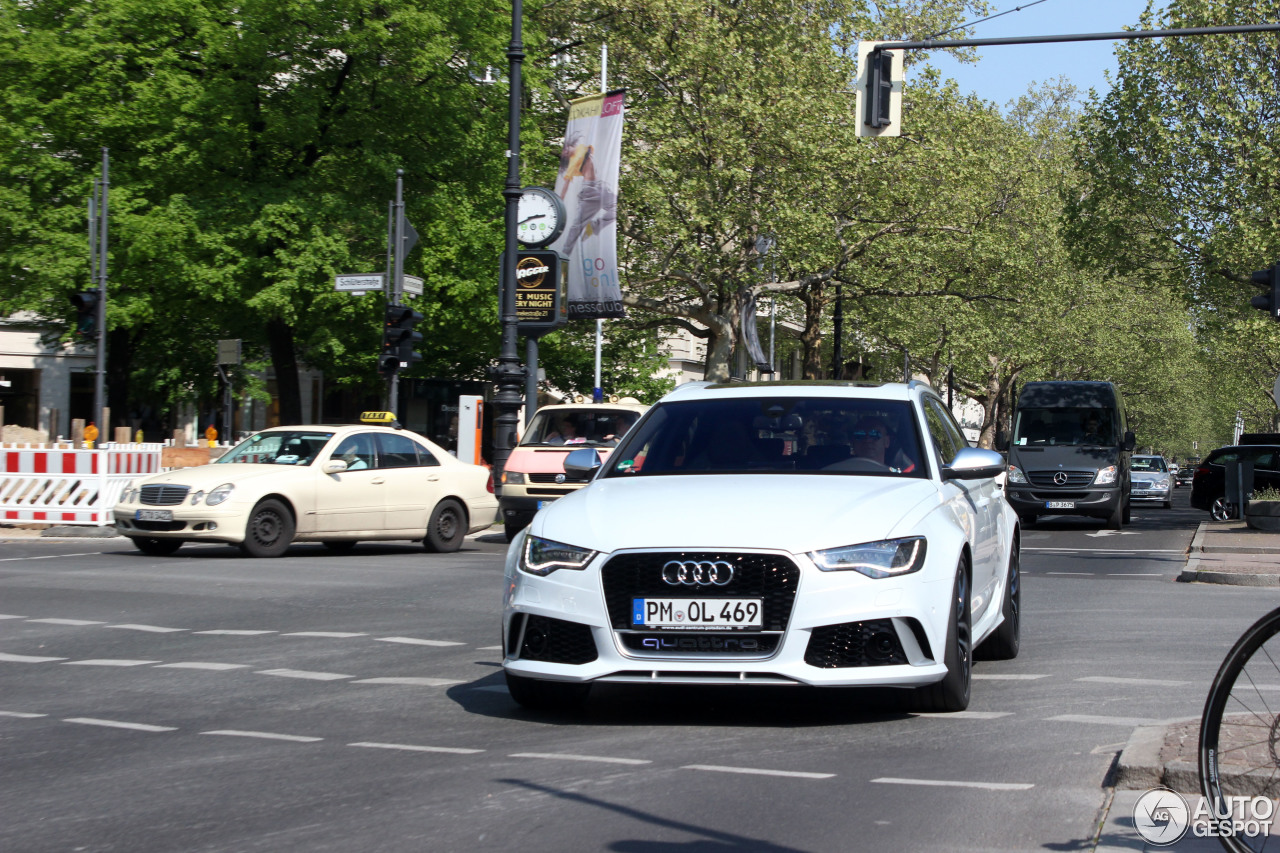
(86, 313)
(879, 89)
(398, 339)
(1269, 299)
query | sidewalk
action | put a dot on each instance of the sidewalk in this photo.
(1228, 552)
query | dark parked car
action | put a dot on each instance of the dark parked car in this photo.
(1209, 483)
(1186, 470)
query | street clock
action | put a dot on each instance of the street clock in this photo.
(539, 217)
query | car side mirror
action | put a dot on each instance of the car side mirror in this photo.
(974, 463)
(1130, 441)
(581, 463)
(334, 466)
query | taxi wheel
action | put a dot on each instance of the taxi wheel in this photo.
(269, 531)
(156, 547)
(447, 527)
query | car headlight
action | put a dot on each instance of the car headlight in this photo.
(888, 558)
(196, 497)
(1162, 484)
(1016, 475)
(1106, 476)
(543, 556)
(513, 478)
(218, 495)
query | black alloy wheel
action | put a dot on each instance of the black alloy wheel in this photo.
(952, 692)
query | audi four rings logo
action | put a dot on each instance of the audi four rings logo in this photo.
(697, 573)
(1060, 478)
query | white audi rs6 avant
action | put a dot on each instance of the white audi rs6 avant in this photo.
(785, 533)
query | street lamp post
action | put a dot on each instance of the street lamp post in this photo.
(508, 374)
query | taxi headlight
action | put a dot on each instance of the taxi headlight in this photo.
(1106, 476)
(220, 494)
(513, 478)
(196, 497)
(543, 556)
(1016, 475)
(888, 558)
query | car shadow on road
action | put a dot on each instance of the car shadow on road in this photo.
(682, 704)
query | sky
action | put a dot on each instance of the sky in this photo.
(1004, 72)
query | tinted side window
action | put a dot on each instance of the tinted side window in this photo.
(396, 451)
(939, 434)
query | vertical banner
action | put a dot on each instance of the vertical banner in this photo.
(588, 185)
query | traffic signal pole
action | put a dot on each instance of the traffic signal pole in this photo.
(396, 285)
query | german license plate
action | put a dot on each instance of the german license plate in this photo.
(1060, 505)
(697, 612)
(541, 504)
(154, 515)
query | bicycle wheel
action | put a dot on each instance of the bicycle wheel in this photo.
(1240, 732)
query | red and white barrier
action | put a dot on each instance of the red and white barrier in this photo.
(70, 486)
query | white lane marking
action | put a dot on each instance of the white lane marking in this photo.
(1111, 550)
(22, 715)
(1141, 682)
(117, 724)
(1134, 575)
(755, 771)
(1074, 574)
(966, 715)
(413, 748)
(50, 556)
(413, 641)
(420, 682)
(300, 673)
(996, 676)
(109, 662)
(236, 633)
(8, 658)
(218, 667)
(338, 635)
(1130, 722)
(489, 649)
(565, 756)
(263, 735)
(947, 783)
(155, 629)
(8, 616)
(67, 621)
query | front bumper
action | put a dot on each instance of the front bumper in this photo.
(1036, 500)
(190, 524)
(1152, 495)
(841, 629)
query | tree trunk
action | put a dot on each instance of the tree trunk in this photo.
(811, 335)
(284, 359)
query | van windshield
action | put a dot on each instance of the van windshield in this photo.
(594, 428)
(1072, 426)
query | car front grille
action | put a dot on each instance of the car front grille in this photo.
(772, 578)
(551, 478)
(850, 644)
(163, 495)
(1075, 479)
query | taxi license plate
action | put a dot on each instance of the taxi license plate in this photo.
(697, 613)
(154, 515)
(1060, 505)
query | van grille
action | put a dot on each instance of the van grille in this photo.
(1075, 479)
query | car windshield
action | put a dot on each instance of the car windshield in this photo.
(773, 435)
(591, 427)
(1148, 463)
(1051, 426)
(278, 447)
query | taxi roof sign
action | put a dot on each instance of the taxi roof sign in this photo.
(388, 418)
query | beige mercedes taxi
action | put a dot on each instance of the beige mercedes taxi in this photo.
(331, 484)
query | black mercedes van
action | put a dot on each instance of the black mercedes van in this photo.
(1069, 452)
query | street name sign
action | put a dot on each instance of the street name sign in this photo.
(412, 285)
(358, 282)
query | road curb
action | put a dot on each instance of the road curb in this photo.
(1194, 574)
(1139, 767)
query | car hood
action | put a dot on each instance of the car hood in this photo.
(794, 513)
(1065, 456)
(1147, 476)
(209, 476)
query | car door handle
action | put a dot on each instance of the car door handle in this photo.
(378, 481)
(433, 478)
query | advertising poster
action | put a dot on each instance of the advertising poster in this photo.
(588, 185)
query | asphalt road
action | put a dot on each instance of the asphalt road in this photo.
(354, 702)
